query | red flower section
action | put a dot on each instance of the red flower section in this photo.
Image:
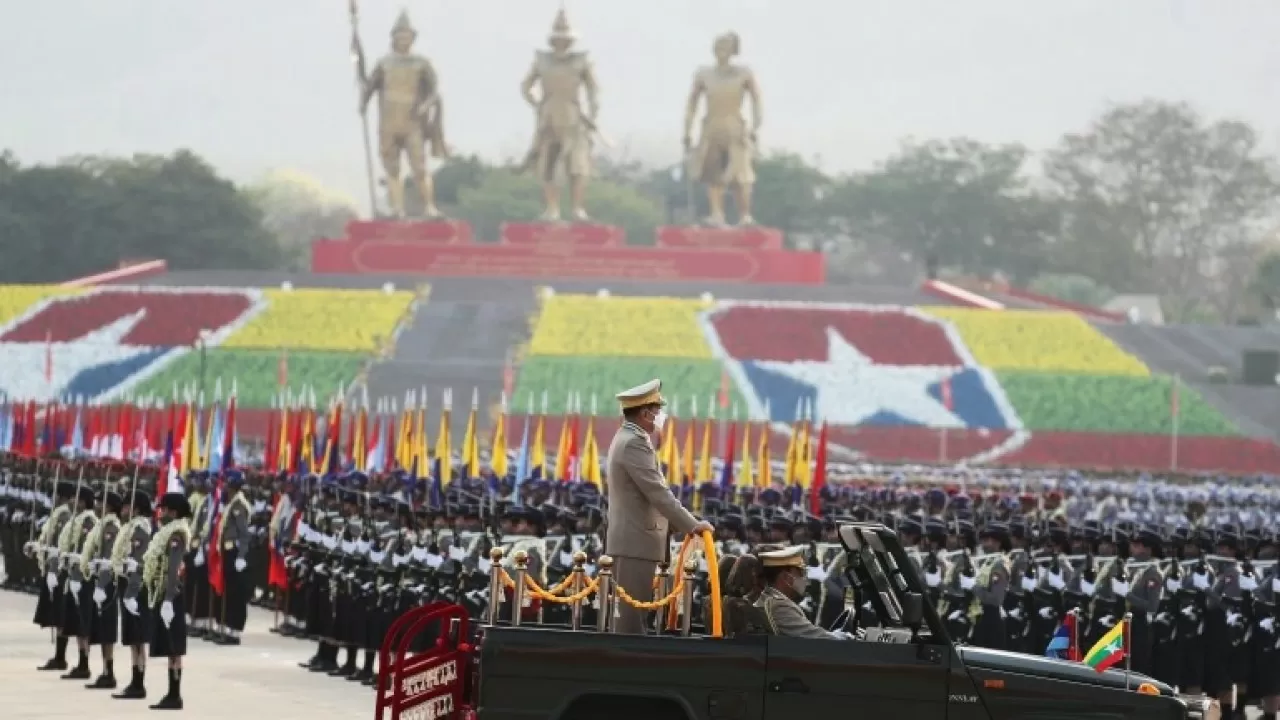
(788, 334)
(167, 318)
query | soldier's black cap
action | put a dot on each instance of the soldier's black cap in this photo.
(935, 529)
(1147, 537)
(86, 495)
(65, 490)
(910, 526)
(141, 503)
(114, 501)
(178, 503)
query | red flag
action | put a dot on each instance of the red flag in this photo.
(1073, 637)
(277, 573)
(215, 544)
(819, 473)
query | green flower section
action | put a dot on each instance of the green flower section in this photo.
(256, 374)
(684, 380)
(1109, 403)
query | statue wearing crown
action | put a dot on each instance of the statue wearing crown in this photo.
(726, 147)
(410, 116)
(563, 135)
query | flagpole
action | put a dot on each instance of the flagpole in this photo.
(1128, 622)
(1177, 410)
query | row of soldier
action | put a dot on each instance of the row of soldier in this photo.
(1004, 570)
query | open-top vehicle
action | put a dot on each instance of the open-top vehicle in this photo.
(904, 667)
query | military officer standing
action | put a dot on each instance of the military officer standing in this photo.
(101, 617)
(641, 507)
(1144, 594)
(135, 620)
(49, 606)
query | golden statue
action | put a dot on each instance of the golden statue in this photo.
(562, 140)
(726, 146)
(410, 115)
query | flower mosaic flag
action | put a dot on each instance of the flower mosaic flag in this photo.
(856, 365)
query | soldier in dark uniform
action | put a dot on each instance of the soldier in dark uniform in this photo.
(199, 595)
(1145, 590)
(135, 618)
(49, 606)
(102, 616)
(234, 538)
(78, 593)
(989, 588)
(163, 576)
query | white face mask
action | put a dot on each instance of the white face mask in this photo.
(660, 420)
(800, 584)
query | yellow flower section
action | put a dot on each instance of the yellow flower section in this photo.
(586, 325)
(311, 319)
(1047, 341)
(17, 299)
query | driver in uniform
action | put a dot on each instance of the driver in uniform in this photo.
(786, 580)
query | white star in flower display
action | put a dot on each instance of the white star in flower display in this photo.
(24, 363)
(850, 388)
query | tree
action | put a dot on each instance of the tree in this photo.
(507, 196)
(1152, 194)
(91, 213)
(958, 204)
(297, 210)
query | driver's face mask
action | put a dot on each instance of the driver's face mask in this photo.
(799, 583)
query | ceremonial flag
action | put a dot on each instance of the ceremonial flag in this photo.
(471, 439)
(726, 470)
(498, 448)
(1110, 648)
(819, 473)
(747, 472)
(522, 465)
(1062, 644)
(444, 444)
(590, 465)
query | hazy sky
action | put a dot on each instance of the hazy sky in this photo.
(260, 84)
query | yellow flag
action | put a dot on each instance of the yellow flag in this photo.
(562, 450)
(764, 476)
(670, 453)
(471, 447)
(498, 448)
(747, 474)
(538, 453)
(686, 461)
(704, 458)
(804, 457)
(444, 449)
(590, 463)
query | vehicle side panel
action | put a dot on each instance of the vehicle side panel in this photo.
(537, 673)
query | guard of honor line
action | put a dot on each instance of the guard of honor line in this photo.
(1005, 555)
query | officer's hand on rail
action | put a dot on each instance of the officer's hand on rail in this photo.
(701, 527)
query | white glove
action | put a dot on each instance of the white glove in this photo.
(933, 579)
(131, 565)
(53, 554)
(75, 587)
(29, 549)
(199, 557)
(1172, 585)
(1189, 612)
(99, 596)
(1119, 587)
(1087, 587)
(1107, 621)
(166, 613)
(967, 582)
(131, 605)
(1200, 580)
(1003, 613)
(1248, 583)
(1268, 624)
(1028, 583)
(1275, 584)
(241, 564)
(1056, 582)
(1234, 619)
(1046, 612)
(955, 615)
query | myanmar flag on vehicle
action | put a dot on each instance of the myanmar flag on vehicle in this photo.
(1110, 648)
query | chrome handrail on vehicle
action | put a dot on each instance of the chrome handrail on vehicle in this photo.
(608, 593)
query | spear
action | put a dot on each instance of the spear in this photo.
(362, 90)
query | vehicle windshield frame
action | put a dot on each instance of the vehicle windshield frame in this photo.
(878, 568)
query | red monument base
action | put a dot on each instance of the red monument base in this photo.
(563, 234)
(749, 237)
(435, 232)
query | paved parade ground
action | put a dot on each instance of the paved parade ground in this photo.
(260, 679)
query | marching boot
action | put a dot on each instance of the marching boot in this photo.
(105, 681)
(328, 659)
(59, 659)
(348, 668)
(366, 671)
(81, 670)
(135, 690)
(172, 699)
(316, 659)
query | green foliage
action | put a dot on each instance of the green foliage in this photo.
(684, 381)
(1109, 403)
(88, 215)
(1072, 287)
(255, 374)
